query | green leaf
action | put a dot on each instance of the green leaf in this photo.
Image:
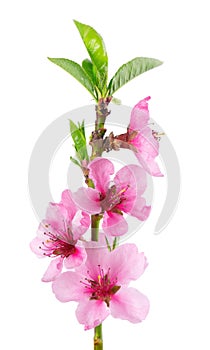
(82, 128)
(76, 71)
(88, 67)
(95, 46)
(130, 70)
(78, 136)
(97, 52)
(75, 161)
(94, 75)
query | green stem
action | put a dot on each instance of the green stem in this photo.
(97, 143)
(95, 220)
(97, 136)
(102, 112)
(98, 339)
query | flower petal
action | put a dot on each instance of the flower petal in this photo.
(100, 171)
(145, 142)
(76, 259)
(129, 304)
(140, 178)
(67, 287)
(91, 313)
(132, 179)
(148, 163)
(147, 149)
(149, 142)
(45, 228)
(67, 201)
(139, 209)
(80, 224)
(114, 224)
(96, 256)
(56, 216)
(126, 263)
(140, 115)
(87, 199)
(35, 247)
(53, 270)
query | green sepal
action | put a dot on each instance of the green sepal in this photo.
(108, 245)
(115, 243)
(115, 289)
(90, 183)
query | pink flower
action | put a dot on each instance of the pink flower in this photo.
(58, 234)
(123, 195)
(143, 138)
(100, 286)
(146, 144)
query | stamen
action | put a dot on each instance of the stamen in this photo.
(113, 197)
(102, 288)
(54, 246)
(157, 135)
(99, 279)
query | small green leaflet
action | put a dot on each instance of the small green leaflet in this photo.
(78, 136)
(129, 71)
(75, 161)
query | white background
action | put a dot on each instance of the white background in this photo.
(34, 92)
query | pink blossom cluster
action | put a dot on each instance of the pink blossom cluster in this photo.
(97, 277)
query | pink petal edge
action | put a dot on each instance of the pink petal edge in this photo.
(53, 270)
(91, 313)
(129, 304)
